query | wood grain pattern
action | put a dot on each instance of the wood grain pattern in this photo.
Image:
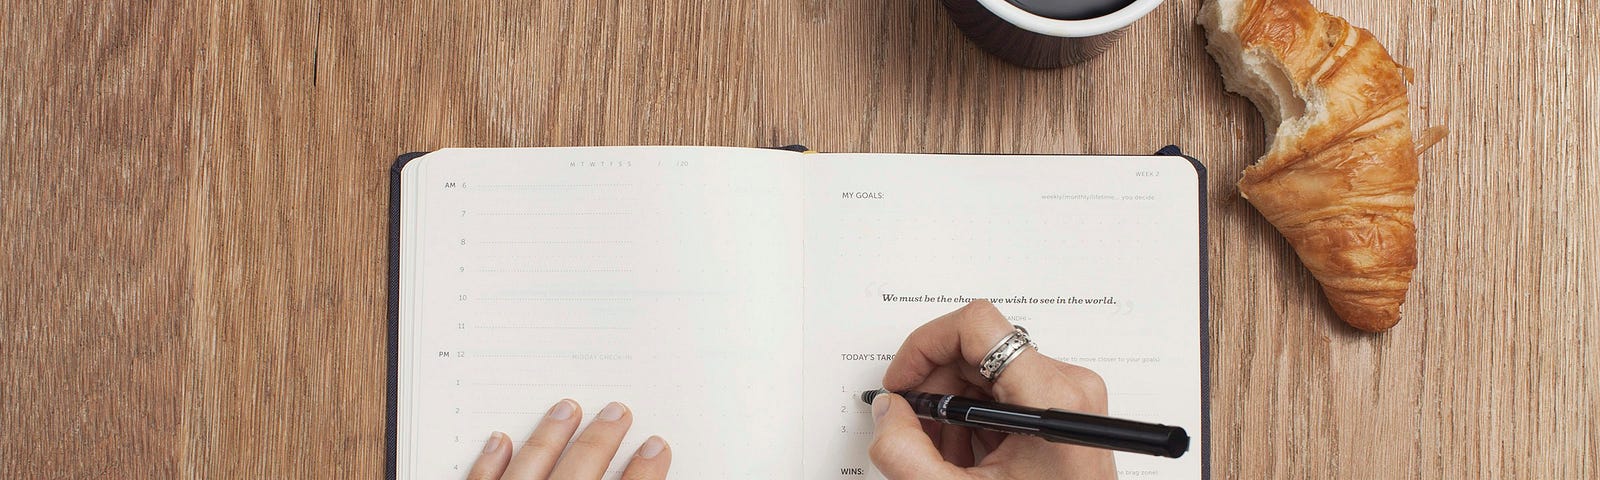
(194, 198)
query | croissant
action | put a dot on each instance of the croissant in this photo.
(1339, 176)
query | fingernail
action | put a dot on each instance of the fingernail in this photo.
(612, 411)
(880, 406)
(561, 411)
(494, 442)
(652, 447)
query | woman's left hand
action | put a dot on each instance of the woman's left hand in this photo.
(542, 457)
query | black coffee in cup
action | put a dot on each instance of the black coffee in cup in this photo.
(1071, 9)
(1045, 33)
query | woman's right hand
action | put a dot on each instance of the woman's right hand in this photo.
(942, 357)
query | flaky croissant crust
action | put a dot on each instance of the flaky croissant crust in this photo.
(1340, 190)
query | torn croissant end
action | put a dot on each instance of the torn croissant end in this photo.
(1339, 177)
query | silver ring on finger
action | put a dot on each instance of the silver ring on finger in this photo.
(1004, 353)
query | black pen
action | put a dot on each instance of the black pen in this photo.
(1055, 425)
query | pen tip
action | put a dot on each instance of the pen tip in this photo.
(868, 395)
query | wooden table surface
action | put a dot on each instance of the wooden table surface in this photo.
(194, 206)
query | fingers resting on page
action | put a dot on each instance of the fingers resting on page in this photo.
(553, 452)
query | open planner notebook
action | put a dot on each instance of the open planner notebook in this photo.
(738, 300)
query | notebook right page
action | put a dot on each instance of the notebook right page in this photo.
(1098, 256)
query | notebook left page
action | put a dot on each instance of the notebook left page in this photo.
(666, 278)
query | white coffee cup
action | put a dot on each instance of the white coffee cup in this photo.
(1046, 33)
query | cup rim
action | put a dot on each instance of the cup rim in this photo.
(1070, 28)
